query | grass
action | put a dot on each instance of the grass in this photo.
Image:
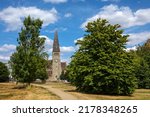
(11, 91)
(139, 94)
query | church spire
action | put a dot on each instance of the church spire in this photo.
(56, 43)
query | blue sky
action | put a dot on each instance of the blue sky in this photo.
(69, 17)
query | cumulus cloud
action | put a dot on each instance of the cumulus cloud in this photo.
(132, 48)
(137, 38)
(4, 58)
(121, 15)
(75, 41)
(67, 49)
(55, 1)
(67, 60)
(12, 16)
(68, 15)
(6, 51)
(48, 44)
(7, 48)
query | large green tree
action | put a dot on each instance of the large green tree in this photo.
(4, 73)
(29, 61)
(101, 64)
(143, 70)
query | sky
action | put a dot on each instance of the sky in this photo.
(69, 18)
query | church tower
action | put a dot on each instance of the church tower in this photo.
(56, 63)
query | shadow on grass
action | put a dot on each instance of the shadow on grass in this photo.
(4, 96)
(71, 91)
(104, 94)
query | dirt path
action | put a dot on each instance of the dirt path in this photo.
(63, 95)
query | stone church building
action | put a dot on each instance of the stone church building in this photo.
(55, 66)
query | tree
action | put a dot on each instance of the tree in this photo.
(4, 73)
(62, 76)
(143, 70)
(143, 75)
(29, 61)
(101, 65)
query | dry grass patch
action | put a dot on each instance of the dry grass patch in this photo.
(11, 91)
(139, 94)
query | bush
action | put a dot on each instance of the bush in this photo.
(4, 73)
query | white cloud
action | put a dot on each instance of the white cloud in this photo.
(48, 44)
(55, 1)
(13, 16)
(132, 48)
(68, 15)
(138, 38)
(75, 41)
(67, 60)
(121, 15)
(7, 47)
(67, 49)
(6, 51)
(4, 58)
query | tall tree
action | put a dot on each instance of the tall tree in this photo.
(143, 71)
(101, 65)
(4, 73)
(29, 61)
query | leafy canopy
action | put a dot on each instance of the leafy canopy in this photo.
(28, 62)
(101, 65)
(143, 68)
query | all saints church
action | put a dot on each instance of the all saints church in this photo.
(55, 66)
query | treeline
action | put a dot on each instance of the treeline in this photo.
(103, 66)
(142, 65)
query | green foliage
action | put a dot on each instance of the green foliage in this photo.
(4, 73)
(101, 65)
(143, 74)
(28, 62)
(143, 69)
(62, 76)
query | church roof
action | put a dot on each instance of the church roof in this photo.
(56, 43)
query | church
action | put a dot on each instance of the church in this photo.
(55, 67)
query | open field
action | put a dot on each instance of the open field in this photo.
(10, 91)
(139, 94)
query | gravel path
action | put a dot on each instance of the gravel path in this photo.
(63, 95)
